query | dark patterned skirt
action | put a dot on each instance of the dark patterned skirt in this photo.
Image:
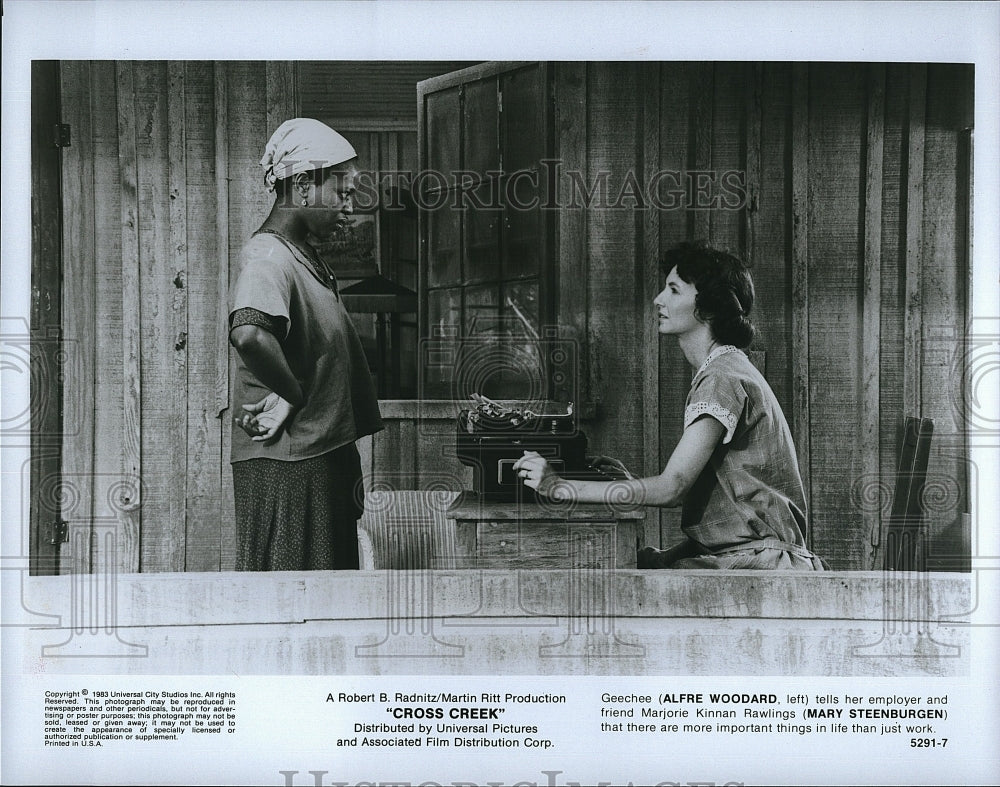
(299, 516)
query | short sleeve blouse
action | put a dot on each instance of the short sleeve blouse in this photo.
(751, 488)
(323, 351)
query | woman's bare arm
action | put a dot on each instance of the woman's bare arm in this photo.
(263, 357)
(667, 489)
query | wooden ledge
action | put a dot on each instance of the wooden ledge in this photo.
(496, 622)
(196, 599)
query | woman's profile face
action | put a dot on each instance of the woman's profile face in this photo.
(675, 305)
(333, 202)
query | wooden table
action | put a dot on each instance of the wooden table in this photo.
(543, 535)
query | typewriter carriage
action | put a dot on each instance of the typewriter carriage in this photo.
(492, 436)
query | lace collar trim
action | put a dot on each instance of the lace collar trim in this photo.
(724, 349)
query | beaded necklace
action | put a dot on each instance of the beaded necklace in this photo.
(319, 266)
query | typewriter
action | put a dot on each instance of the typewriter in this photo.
(492, 436)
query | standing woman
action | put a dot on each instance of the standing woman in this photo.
(734, 471)
(303, 392)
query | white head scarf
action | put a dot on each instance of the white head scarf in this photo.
(301, 145)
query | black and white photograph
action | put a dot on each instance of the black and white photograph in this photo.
(502, 393)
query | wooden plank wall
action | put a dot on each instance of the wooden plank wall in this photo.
(853, 219)
(48, 412)
(80, 286)
(167, 153)
(677, 86)
(107, 331)
(613, 275)
(853, 222)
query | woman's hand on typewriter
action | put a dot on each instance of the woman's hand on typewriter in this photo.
(534, 471)
(610, 466)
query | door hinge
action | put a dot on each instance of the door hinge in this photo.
(61, 135)
(58, 533)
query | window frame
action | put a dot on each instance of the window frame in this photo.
(545, 245)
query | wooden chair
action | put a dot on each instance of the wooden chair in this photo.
(903, 534)
(407, 529)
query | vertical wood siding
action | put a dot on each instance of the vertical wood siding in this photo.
(853, 216)
(614, 315)
(854, 221)
(798, 414)
(80, 284)
(203, 281)
(222, 360)
(871, 297)
(571, 223)
(161, 187)
(107, 331)
(128, 495)
(649, 284)
(676, 156)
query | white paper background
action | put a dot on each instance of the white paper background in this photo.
(284, 722)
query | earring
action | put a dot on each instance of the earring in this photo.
(305, 203)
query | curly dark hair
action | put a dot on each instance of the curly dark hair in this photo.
(725, 289)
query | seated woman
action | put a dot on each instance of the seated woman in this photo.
(734, 471)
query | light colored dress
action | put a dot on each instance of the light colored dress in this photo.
(747, 507)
